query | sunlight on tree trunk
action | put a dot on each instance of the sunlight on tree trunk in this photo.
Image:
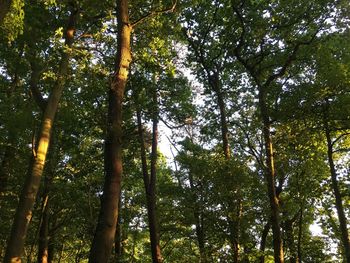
(105, 231)
(15, 245)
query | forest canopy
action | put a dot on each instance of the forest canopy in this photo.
(174, 131)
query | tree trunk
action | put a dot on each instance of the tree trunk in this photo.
(150, 182)
(338, 199)
(288, 228)
(215, 84)
(270, 179)
(4, 9)
(235, 228)
(105, 231)
(44, 235)
(152, 213)
(263, 241)
(214, 81)
(200, 236)
(23, 214)
(43, 250)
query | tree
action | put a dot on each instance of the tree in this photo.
(24, 210)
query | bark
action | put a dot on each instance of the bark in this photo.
(106, 227)
(150, 180)
(336, 191)
(263, 241)
(270, 175)
(4, 9)
(44, 235)
(23, 214)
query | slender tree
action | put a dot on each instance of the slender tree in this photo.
(344, 233)
(150, 179)
(23, 215)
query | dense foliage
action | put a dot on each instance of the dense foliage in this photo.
(248, 101)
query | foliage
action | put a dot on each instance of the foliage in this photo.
(298, 51)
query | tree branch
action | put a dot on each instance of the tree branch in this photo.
(33, 85)
(339, 137)
(154, 13)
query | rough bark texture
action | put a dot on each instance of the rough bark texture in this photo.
(105, 231)
(335, 186)
(23, 214)
(4, 9)
(270, 179)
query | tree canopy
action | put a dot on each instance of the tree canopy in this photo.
(174, 131)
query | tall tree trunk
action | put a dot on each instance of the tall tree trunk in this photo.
(214, 81)
(23, 214)
(335, 186)
(235, 228)
(150, 181)
(44, 235)
(198, 214)
(152, 211)
(199, 222)
(270, 179)
(4, 9)
(213, 77)
(288, 228)
(105, 231)
(200, 235)
(43, 249)
(263, 241)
